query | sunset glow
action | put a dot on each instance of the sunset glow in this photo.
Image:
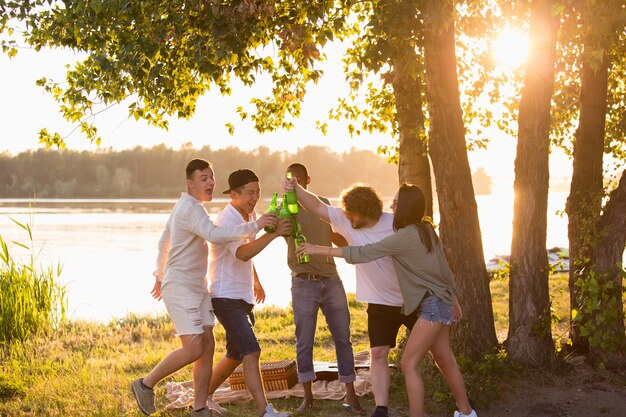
(510, 49)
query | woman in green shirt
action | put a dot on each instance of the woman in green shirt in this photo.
(427, 284)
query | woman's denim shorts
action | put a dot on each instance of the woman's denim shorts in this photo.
(433, 309)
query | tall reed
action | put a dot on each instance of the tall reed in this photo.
(31, 298)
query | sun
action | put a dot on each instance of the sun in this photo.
(510, 49)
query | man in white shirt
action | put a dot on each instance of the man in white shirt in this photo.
(360, 221)
(235, 287)
(182, 283)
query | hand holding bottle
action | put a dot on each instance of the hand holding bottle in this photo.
(267, 219)
(283, 227)
(289, 184)
(311, 249)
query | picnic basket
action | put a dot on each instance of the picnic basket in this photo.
(280, 375)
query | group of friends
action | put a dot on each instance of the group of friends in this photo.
(205, 272)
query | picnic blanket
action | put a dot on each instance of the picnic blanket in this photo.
(180, 394)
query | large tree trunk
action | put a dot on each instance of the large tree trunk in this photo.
(530, 338)
(413, 164)
(459, 227)
(585, 199)
(606, 255)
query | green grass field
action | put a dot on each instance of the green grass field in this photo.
(84, 369)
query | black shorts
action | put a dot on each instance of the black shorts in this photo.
(383, 323)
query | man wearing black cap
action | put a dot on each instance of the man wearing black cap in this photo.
(235, 287)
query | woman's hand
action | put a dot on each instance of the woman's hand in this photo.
(458, 313)
(312, 249)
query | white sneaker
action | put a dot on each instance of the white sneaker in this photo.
(270, 412)
(212, 405)
(460, 414)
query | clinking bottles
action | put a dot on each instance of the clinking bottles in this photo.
(272, 209)
(300, 239)
(292, 199)
(284, 211)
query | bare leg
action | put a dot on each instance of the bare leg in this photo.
(420, 341)
(202, 369)
(351, 397)
(224, 368)
(379, 374)
(252, 376)
(190, 351)
(307, 402)
(447, 365)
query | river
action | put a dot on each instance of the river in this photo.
(108, 247)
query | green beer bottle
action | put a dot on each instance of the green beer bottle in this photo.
(272, 209)
(284, 211)
(292, 199)
(300, 239)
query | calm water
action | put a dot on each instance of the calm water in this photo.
(108, 247)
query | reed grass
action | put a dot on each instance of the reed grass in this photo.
(31, 298)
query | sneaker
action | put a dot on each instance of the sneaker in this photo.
(270, 412)
(205, 412)
(213, 406)
(460, 414)
(380, 411)
(144, 396)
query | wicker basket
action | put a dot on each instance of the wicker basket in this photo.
(276, 376)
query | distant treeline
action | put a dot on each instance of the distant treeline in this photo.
(159, 172)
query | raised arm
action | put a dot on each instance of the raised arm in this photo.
(201, 225)
(308, 200)
(249, 250)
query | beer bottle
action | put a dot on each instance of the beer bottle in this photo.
(284, 211)
(300, 239)
(292, 199)
(272, 209)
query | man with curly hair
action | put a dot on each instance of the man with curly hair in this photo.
(361, 221)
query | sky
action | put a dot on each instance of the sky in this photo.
(26, 108)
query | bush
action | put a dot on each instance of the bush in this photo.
(31, 299)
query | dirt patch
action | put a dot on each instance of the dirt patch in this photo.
(577, 391)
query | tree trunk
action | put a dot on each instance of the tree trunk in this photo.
(413, 166)
(585, 199)
(606, 257)
(459, 227)
(530, 338)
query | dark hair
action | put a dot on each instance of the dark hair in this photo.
(362, 200)
(194, 165)
(297, 167)
(410, 210)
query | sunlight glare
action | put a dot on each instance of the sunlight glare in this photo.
(510, 49)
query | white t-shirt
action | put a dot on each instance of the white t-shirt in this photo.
(230, 277)
(183, 249)
(376, 281)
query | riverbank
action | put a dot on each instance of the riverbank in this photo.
(84, 369)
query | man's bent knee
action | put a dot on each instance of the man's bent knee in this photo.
(379, 353)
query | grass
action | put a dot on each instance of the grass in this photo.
(84, 368)
(31, 298)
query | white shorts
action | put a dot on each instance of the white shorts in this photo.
(189, 310)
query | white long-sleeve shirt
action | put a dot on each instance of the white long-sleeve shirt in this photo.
(183, 249)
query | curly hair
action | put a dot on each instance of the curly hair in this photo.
(363, 200)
